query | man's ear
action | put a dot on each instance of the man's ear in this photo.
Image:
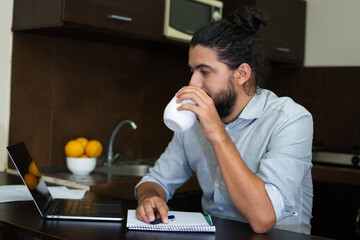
(242, 74)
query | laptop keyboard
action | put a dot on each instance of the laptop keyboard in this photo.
(56, 207)
(70, 208)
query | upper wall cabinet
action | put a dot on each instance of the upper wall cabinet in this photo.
(283, 37)
(139, 18)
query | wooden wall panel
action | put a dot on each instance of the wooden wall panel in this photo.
(331, 94)
(31, 105)
(63, 89)
(163, 80)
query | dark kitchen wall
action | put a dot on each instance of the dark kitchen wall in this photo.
(63, 89)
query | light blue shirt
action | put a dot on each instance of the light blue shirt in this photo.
(274, 137)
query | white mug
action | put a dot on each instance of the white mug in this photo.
(178, 121)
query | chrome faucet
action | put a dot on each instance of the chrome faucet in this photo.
(111, 156)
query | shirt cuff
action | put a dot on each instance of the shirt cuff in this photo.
(276, 199)
(147, 178)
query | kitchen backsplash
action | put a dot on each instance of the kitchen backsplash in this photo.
(63, 88)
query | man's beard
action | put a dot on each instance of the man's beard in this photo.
(225, 100)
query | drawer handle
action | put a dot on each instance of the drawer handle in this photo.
(282, 49)
(121, 18)
(357, 220)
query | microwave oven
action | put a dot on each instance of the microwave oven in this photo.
(184, 17)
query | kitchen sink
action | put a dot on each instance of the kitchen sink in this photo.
(136, 169)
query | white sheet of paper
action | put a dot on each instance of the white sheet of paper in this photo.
(13, 193)
(10, 193)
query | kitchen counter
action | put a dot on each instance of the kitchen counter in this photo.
(336, 174)
(108, 184)
(123, 186)
(336, 202)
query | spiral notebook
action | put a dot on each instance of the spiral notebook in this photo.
(183, 222)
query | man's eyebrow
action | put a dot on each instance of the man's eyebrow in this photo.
(200, 66)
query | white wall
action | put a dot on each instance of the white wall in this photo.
(6, 9)
(332, 33)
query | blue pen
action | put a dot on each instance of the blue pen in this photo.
(158, 220)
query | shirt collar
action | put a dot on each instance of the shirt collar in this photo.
(255, 106)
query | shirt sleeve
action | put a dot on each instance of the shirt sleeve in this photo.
(171, 170)
(276, 199)
(287, 162)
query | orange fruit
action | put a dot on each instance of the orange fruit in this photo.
(84, 156)
(74, 148)
(93, 149)
(33, 169)
(83, 141)
(31, 181)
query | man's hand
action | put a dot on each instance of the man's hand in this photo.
(151, 203)
(205, 111)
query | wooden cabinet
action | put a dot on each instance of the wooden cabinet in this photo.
(142, 18)
(336, 210)
(283, 37)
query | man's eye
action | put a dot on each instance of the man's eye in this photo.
(204, 72)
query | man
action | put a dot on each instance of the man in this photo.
(250, 150)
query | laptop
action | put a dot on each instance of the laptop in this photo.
(49, 208)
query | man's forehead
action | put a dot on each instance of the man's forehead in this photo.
(204, 56)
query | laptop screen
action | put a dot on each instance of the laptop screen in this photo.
(30, 175)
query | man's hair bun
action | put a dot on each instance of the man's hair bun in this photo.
(248, 19)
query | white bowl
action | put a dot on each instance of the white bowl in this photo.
(81, 166)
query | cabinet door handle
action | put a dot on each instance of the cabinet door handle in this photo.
(121, 18)
(357, 221)
(282, 49)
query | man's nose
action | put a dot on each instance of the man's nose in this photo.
(195, 80)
